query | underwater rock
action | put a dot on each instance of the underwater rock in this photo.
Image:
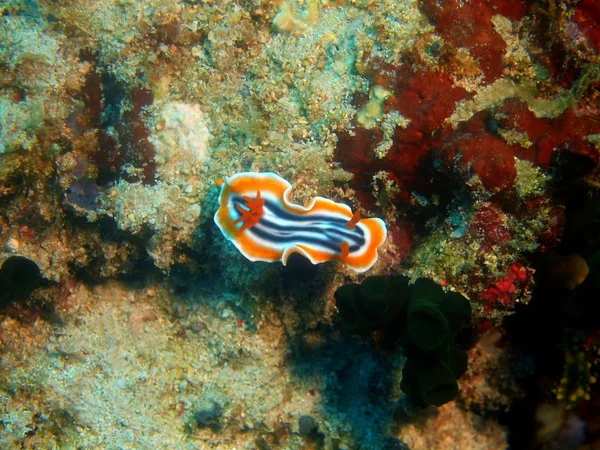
(306, 425)
(84, 194)
(393, 443)
(169, 203)
(39, 78)
(116, 118)
(503, 292)
(209, 416)
(180, 139)
(582, 227)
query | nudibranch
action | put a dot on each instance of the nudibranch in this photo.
(255, 213)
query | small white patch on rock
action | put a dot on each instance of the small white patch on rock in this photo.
(180, 142)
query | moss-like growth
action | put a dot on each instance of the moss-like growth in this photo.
(423, 319)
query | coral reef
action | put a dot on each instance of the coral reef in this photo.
(170, 207)
(471, 127)
(452, 426)
(41, 78)
(81, 379)
(487, 119)
(493, 380)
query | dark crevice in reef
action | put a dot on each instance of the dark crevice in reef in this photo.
(19, 277)
(558, 329)
(24, 294)
(116, 112)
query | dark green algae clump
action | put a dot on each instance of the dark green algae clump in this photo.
(423, 319)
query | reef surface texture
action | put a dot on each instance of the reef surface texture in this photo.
(472, 128)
